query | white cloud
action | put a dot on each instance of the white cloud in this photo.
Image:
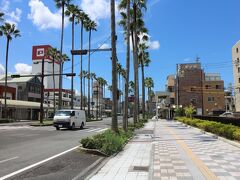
(154, 45)
(5, 5)
(96, 9)
(42, 17)
(2, 69)
(22, 68)
(12, 17)
(77, 93)
(104, 46)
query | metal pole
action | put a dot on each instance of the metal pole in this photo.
(177, 78)
(42, 93)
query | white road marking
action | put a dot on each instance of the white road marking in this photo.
(91, 130)
(36, 164)
(13, 127)
(102, 130)
(5, 160)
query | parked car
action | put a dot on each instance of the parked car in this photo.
(227, 114)
(68, 118)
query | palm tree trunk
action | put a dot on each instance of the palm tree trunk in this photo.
(81, 66)
(119, 89)
(92, 95)
(72, 79)
(60, 67)
(84, 92)
(125, 116)
(114, 68)
(5, 87)
(136, 83)
(97, 101)
(143, 90)
(54, 100)
(89, 56)
(148, 101)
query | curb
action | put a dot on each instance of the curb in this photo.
(233, 143)
(96, 163)
(99, 166)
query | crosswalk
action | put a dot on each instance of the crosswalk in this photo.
(98, 130)
(49, 128)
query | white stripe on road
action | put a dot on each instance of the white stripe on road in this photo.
(91, 130)
(9, 159)
(102, 130)
(36, 164)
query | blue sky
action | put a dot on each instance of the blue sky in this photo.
(180, 30)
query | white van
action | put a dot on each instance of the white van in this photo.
(69, 118)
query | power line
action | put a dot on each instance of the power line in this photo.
(76, 64)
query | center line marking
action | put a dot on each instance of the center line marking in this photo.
(5, 160)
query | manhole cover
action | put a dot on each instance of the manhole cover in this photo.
(141, 168)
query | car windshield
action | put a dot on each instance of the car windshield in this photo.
(63, 113)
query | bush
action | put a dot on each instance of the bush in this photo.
(189, 111)
(110, 142)
(225, 130)
(107, 142)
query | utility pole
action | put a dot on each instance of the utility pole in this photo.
(42, 93)
(177, 83)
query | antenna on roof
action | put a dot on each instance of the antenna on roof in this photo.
(197, 59)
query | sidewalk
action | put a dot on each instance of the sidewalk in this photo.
(133, 162)
(170, 150)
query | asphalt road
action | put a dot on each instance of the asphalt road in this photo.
(22, 146)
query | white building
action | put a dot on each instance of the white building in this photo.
(236, 74)
(39, 56)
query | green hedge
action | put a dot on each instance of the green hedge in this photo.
(110, 142)
(224, 130)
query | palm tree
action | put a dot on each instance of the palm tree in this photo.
(114, 68)
(81, 19)
(90, 26)
(61, 4)
(92, 76)
(149, 84)
(119, 71)
(10, 31)
(144, 60)
(53, 53)
(126, 23)
(72, 12)
(84, 75)
(1, 20)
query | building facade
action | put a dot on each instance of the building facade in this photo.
(213, 94)
(189, 86)
(236, 74)
(39, 56)
(205, 91)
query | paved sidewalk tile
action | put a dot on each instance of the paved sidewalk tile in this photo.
(176, 152)
(174, 141)
(136, 154)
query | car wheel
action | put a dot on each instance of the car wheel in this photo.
(73, 126)
(82, 125)
(57, 128)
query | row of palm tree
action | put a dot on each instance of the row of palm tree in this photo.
(56, 57)
(134, 27)
(9, 31)
(76, 16)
